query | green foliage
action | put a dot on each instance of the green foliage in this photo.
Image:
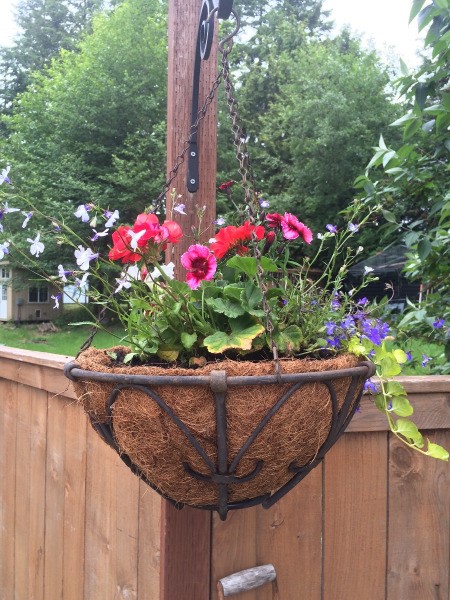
(92, 126)
(412, 180)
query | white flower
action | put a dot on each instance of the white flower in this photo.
(360, 249)
(179, 208)
(4, 249)
(98, 234)
(82, 283)
(27, 218)
(84, 257)
(62, 273)
(56, 299)
(82, 213)
(4, 176)
(7, 209)
(112, 218)
(126, 277)
(367, 270)
(36, 245)
(212, 240)
(135, 237)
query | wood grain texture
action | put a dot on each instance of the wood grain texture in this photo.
(419, 524)
(8, 438)
(149, 543)
(355, 522)
(30, 493)
(289, 536)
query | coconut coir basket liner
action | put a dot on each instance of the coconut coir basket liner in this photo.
(159, 449)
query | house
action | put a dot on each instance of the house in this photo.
(387, 266)
(25, 299)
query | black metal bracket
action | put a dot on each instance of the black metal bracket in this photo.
(205, 35)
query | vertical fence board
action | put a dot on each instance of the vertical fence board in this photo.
(74, 501)
(111, 524)
(55, 495)
(8, 426)
(355, 487)
(418, 535)
(30, 493)
(149, 543)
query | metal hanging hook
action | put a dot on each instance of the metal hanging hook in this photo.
(205, 35)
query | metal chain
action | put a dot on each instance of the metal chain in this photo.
(249, 185)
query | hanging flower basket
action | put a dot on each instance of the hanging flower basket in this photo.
(228, 435)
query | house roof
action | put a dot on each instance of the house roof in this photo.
(390, 260)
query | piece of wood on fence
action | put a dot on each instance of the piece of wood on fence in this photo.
(290, 534)
(419, 523)
(30, 493)
(74, 499)
(149, 543)
(8, 427)
(355, 514)
(111, 560)
(249, 579)
(55, 496)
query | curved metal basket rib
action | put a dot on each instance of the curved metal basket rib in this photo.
(223, 474)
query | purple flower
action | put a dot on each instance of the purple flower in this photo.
(264, 203)
(371, 386)
(220, 221)
(56, 298)
(439, 323)
(353, 227)
(4, 249)
(84, 257)
(179, 208)
(111, 218)
(27, 218)
(408, 355)
(62, 274)
(334, 342)
(363, 302)
(332, 228)
(425, 359)
(375, 331)
(330, 327)
(348, 323)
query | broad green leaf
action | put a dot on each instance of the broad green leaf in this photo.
(389, 367)
(289, 339)
(388, 157)
(436, 451)
(274, 293)
(394, 388)
(389, 216)
(416, 8)
(226, 306)
(401, 406)
(268, 264)
(424, 17)
(380, 402)
(168, 355)
(421, 94)
(400, 356)
(251, 295)
(233, 291)
(424, 248)
(188, 339)
(244, 264)
(241, 340)
(409, 430)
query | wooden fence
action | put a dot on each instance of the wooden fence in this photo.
(371, 523)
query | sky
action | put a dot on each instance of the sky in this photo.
(383, 21)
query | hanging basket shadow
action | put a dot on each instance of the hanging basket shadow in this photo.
(229, 435)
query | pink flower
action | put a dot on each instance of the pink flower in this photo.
(292, 228)
(200, 263)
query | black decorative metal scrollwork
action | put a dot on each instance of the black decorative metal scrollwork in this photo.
(223, 473)
(205, 36)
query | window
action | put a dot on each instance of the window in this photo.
(4, 292)
(38, 295)
(4, 273)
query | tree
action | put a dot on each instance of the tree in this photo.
(46, 27)
(92, 125)
(412, 180)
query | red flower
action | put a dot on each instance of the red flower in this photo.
(174, 231)
(121, 249)
(200, 263)
(292, 229)
(274, 220)
(223, 187)
(231, 237)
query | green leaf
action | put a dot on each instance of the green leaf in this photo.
(188, 339)
(424, 248)
(389, 216)
(228, 307)
(389, 367)
(401, 406)
(241, 340)
(394, 388)
(421, 94)
(409, 430)
(268, 264)
(436, 451)
(416, 8)
(244, 264)
(251, 295)
(233, 291)
(424, 17)
(400, 356)
(289, 339)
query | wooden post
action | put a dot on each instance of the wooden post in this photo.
(185, 534)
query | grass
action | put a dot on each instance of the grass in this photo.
(67, 340)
